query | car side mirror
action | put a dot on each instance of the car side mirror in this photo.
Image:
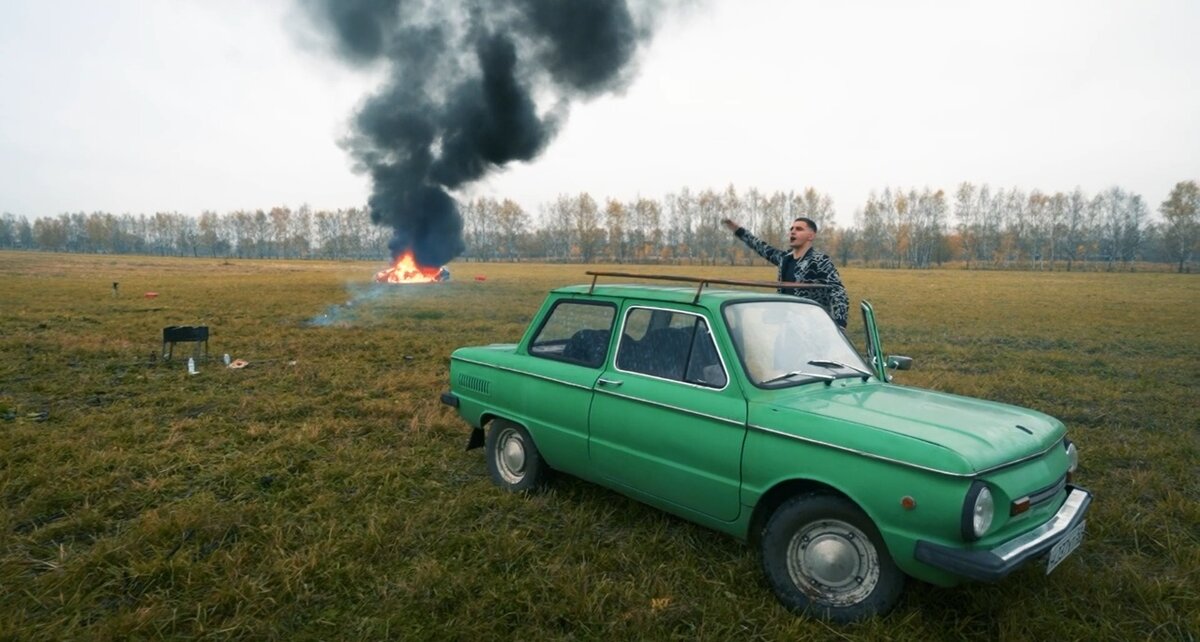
(898, 362)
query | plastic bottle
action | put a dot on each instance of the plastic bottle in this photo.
(192, 365)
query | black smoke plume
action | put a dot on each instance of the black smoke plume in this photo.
(464, 81)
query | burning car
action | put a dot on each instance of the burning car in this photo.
(753, 414)
(405, 269)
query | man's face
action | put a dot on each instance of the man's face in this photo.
(799, 234)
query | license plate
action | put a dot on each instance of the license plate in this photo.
(1065, 547)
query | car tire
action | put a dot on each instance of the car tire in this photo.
(824, 557)
(513, 459)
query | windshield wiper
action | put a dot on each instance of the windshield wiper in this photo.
(826, 363)
(795, 373)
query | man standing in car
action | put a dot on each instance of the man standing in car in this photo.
(802, 264)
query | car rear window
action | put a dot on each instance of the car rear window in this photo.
(576, 332)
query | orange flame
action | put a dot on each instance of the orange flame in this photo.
(406, 270)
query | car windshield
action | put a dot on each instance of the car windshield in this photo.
(785, 343)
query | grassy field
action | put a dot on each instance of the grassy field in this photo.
(323, 492)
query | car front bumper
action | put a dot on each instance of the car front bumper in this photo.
(996, 563)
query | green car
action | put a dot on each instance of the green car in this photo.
(753, 414)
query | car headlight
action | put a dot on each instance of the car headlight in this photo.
(978, 510)
(1072, 457)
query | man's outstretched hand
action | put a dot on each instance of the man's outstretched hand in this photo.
(733, 227)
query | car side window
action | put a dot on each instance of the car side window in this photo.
(670, 345)
(575, 331)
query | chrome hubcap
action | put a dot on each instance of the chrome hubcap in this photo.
(833, 562)
(510, 455)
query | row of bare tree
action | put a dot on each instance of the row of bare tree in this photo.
(978, 226)
(277, 233)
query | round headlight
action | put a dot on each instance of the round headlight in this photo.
(978, 510)
(1072, 456)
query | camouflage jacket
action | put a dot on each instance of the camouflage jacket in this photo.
(813, 267)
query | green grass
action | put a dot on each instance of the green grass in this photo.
(323, 492)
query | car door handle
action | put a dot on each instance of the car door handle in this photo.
(609, 382)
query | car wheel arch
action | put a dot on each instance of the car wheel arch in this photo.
(776, 496)
(488, 417)
(784, 490)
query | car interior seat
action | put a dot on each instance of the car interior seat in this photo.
(587, 347)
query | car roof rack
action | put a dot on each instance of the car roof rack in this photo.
(702, 281)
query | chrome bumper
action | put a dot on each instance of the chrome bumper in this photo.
(995, 564)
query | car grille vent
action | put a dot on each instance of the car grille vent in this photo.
(1048, 493)
(482, 386)
(1045, 494)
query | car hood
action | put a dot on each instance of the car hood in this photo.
(959, 434)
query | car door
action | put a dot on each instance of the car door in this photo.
(666, 419)
(568, 352)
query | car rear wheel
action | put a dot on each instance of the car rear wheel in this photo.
(824, 557)
(513, 459)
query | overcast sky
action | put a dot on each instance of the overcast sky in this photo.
(187, 105)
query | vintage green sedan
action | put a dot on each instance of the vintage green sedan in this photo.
(754, 415)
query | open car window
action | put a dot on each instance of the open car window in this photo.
(576, 332)
(775, 338)
(670, 345)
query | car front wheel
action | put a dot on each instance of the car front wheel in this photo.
(513, 460)
(824, 557)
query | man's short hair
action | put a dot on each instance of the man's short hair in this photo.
(812, 225)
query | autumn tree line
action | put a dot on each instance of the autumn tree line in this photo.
(976, 226)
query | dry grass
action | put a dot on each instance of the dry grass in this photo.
(323, 492)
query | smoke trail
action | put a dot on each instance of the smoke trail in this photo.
(464, 78)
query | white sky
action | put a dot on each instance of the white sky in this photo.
(187, 105)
